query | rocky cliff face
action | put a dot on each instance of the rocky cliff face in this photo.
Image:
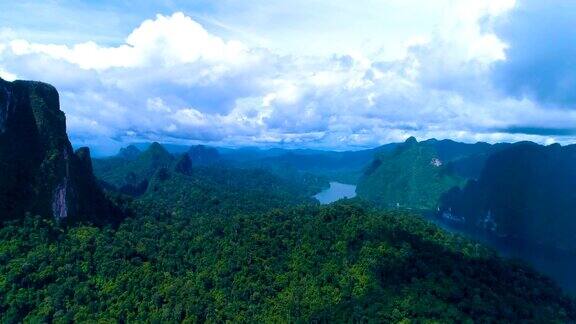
(526, 191)
(39, 171)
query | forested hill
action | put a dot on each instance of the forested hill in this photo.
(340, 263)
(343, 166)
(196, 181)
(131, 170)
(416, 174)
(527, 191)
(204, 155)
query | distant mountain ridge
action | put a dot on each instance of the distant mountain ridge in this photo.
(343, 166)
(199, 180)
(130, 152)
(130, 171)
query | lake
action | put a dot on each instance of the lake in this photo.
(336, 192)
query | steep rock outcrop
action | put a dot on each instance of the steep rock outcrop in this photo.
(41, 174)
(414, 175)
(527, 191)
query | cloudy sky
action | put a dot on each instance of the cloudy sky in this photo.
(335, 74)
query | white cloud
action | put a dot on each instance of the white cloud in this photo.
(172, 80)
(157, 105)
(7, 75)
(167, 41)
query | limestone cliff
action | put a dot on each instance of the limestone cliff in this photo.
(39, 171)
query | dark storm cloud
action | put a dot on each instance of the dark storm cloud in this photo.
(541, 58)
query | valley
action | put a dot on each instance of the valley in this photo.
(295, 162)
(250, 234)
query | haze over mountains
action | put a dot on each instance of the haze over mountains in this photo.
(512, 190)
(464, 182)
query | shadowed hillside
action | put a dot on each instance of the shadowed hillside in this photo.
(527, 191)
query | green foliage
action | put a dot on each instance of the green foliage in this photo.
(339, 263)
(345, 167)
(408, 177)
(130, 171)
(223, 190)
(182, 183)
(222, 244)
(416, 174)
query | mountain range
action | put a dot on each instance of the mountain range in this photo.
(215, 235)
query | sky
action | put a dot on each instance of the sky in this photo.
(327, 74)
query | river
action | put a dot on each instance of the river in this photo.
(336, 192)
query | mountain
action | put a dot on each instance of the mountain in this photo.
(343, 166)
(526, 191)
(198, 181)
(183, 165)
(223, 190)
(416, 174)
(130, 173)
(41, 174)
(204, 155)
(339, 166)
(130, 152)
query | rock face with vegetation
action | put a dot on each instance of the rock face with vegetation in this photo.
(527, 191)
(416, 174)
(131, 170)
(40, 173)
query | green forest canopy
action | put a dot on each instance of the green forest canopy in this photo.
(340, 262)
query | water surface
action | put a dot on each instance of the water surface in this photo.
(336, 192)
(557, 264)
